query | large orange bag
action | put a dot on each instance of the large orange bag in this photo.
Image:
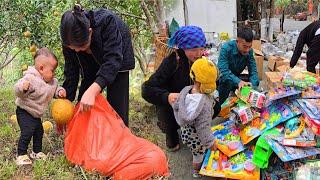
(99, 141)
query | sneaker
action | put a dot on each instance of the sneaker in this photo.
(38, 156)
(23, 160)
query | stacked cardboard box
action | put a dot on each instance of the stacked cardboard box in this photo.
(256, 44)
(273, 78)
(283, 68)
(276, 61)
(258, 56)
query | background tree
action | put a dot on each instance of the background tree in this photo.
(282, 5)
(29, 24)
(145, 19)
(297, 7)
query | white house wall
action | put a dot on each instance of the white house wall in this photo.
(210, 15)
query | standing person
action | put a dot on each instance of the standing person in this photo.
(234, 57)
(310, 35)
(164, 86)
(34, 92)
(97, 44)
(193, 111)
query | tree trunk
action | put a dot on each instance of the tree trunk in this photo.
(239, 12)
(272, 9)
(160, 17)
(270, 21)
(149, 20)
(282, 20)
(315, 9)
(257, 5)
(264, 13)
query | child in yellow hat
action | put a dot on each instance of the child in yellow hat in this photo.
(193, 110)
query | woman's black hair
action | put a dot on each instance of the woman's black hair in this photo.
(74, 27)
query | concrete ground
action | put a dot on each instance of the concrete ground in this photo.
(180, 162)
(289, 24)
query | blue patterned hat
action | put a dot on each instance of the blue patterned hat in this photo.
(188, 37)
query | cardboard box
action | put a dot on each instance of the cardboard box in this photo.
(258, 56)
(303, 65)
(256, 44)
(283, 68)
(273, 78)
(275, 61)
(272, 62)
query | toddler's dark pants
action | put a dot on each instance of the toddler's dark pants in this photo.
(30, 127)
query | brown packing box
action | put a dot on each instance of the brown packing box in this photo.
(283, 68)
(258, 56)
(256, 44)
(271, 62)
(276, 61)
(283, 61)
(273, 78)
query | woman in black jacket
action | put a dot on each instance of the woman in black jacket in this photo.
(97, 45)
(163, 87)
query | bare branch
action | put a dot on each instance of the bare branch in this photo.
(149, 19)
(139, 57)
(130, 15)
(156, 12)
(159, 12)
(141, 49)
(7, 61)
(3, 46)
(4, 38)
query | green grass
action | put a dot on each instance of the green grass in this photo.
(142, 124)
(49, 168)
(7, 169)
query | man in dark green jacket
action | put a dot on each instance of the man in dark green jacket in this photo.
(234, 57)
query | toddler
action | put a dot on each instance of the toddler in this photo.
(33, 93)
(194, 109)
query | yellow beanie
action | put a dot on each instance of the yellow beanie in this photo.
(206, 73)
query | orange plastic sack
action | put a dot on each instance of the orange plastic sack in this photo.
(99, 141)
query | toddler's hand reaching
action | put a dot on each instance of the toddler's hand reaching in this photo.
(26, 85)
(172, 98)
(62, 93)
